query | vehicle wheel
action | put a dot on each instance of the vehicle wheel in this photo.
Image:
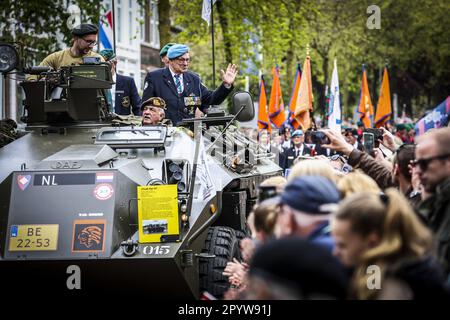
(222, 242)
(241, 234)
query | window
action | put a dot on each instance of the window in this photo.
(154, 24)
(142, 25)
(130, 21)
(118, 26)
(151, 24)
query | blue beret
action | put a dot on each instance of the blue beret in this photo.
(297, 133)
(310, 193)
(177, 50)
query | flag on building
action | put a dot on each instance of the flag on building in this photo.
(384, 110)
(276, 104)
(293, 101)
(365, 107)
(334, 114)
(263, 116)
(438, 118)
(106, 31)
(206, 10)
(304, 103)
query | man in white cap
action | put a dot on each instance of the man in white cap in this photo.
(182, 89)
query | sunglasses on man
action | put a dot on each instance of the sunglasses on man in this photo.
(424, 163)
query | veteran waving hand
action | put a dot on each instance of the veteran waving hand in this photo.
(181, 89)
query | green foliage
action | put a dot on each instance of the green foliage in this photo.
(256, 35)
(35, 26)
(413, 41)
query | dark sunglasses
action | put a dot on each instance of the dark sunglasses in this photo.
(423, 163)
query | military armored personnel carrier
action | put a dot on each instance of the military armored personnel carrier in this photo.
(75, 191)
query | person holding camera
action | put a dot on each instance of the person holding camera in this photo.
(84, 39)
(298, 148)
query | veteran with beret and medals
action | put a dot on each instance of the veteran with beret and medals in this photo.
(124, 93)
(153, 111)
(84, 39)
(182, 89)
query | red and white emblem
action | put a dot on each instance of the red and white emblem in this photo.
(103, 191)
(23, 181)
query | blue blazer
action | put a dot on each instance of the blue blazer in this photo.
(160, 83)
(127, 97)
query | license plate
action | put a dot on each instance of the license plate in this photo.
(33, 237)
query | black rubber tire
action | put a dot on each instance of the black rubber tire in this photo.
(241, 234)
(222, 242)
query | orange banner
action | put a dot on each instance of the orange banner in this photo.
(304, 103)
(276, 104)
(263, 116)
(384, 110)
(365, 107)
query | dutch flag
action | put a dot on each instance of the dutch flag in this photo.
(106, 31)
(104, 177)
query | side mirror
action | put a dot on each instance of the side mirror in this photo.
(9, 58)
(243, 99)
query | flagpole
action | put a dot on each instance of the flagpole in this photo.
(212, 43)
(113, 18)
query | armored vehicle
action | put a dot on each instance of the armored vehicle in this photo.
(98, 207)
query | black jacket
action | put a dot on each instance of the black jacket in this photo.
(424, 278)
(289, 156)
(127, 98)
(160, 83)
(436, 211)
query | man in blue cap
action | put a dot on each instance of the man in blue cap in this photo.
(124, 95)
(305, 207)
(297, 149)
(182, 89)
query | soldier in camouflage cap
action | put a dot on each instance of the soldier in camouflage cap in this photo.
(153, 111)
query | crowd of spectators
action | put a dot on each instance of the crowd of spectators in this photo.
(347, 222)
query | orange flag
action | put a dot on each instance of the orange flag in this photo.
(304, 103)
(263, 116)
(384, 110)
(365, 107)
(276, 104)
(294, 123)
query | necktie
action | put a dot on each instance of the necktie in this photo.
(178, 84)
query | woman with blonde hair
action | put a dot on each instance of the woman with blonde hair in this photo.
(312, 167)
(357, 182)
(388, 247)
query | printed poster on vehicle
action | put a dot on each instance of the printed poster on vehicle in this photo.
(157, 212)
